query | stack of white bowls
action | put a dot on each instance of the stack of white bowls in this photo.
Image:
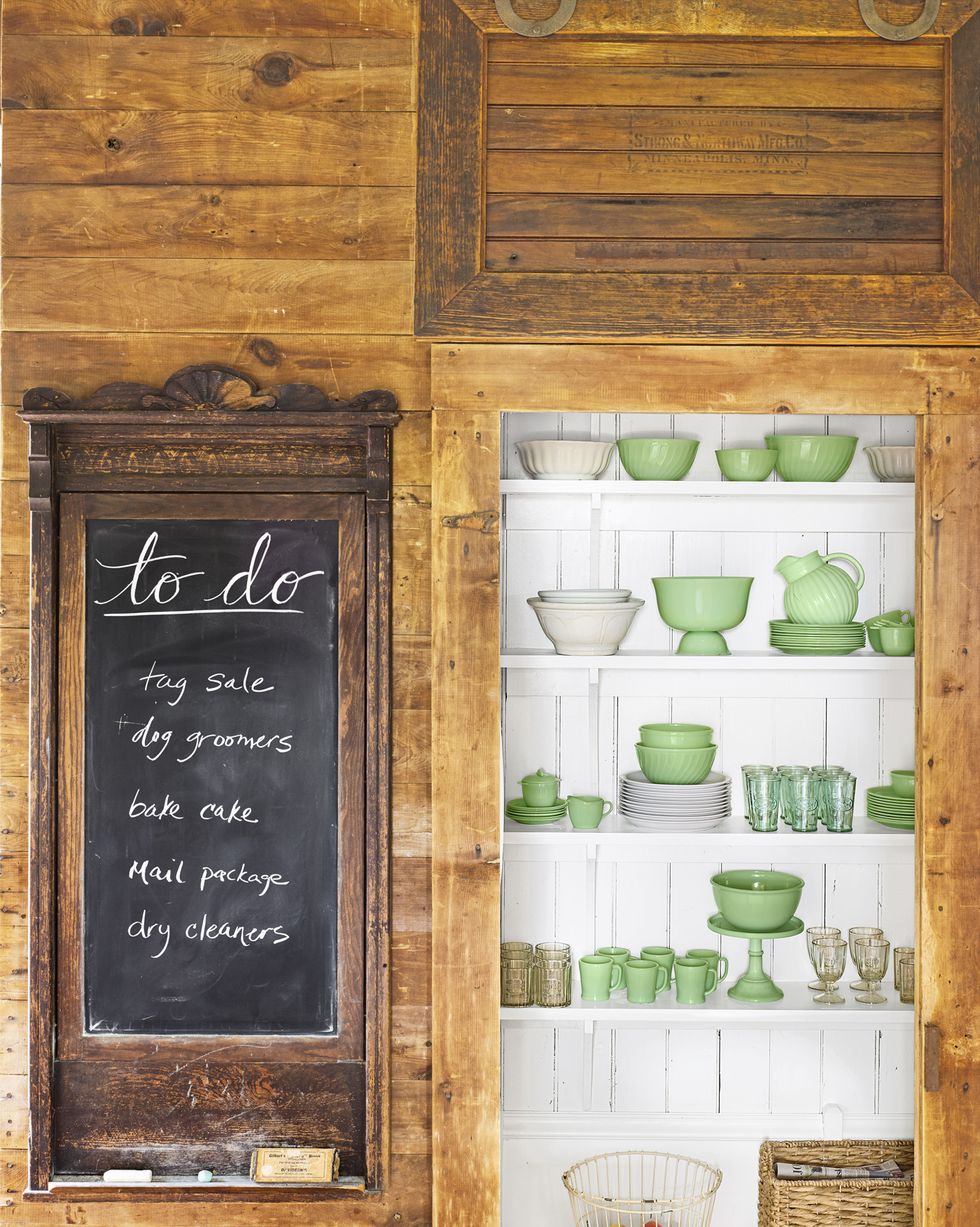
(585, 621)
(675, 807)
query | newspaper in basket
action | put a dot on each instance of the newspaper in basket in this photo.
(642, 1188)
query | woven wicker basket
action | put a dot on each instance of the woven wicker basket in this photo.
(834, 1203)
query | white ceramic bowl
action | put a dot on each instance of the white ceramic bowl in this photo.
(579, 596)
(565, 459)
(592, 630)
(892, 463)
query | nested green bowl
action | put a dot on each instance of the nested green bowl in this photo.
(657, 459)
(676, 736)
(746, 463)
(675, 766)
(812, 457)
(757, 900)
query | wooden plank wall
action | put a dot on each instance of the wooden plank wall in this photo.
(222, 181)
(699, 156)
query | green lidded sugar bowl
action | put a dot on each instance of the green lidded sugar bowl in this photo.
(818, 593)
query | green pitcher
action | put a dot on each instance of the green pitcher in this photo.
(817, 593)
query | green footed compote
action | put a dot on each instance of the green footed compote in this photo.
(702, 606)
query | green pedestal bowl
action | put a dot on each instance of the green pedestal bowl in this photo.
(702, 606)
(757, 900)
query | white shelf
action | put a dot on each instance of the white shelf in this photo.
(715, 489)
(865, 661)
(796, 1010)
(711, 506)
(615, 833)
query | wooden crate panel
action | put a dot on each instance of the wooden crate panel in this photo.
(831, 152)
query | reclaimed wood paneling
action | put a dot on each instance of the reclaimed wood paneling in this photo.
(748, 19)
(219, 195)
(733, 174)
(963, 193)
(92, 295)
(723, 128)
(712, 256)
(289, 223)
(264, 18)
(336, 363)
(465, 843)
(706, 217)
(629, 85)
(867, 52)
(168, 147)
(215, 74)
(715, 379)
(949, 830)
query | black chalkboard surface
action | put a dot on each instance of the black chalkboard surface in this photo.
(210, 872)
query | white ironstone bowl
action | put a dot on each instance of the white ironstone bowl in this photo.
(565, 459)
(590, 629)
(892, 463)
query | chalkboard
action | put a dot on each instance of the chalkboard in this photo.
(210, 847)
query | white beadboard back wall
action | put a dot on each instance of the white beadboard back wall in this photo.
(712, 1089)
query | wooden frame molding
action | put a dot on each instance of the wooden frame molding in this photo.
(472, 385)
(457, 297)
(208, 444)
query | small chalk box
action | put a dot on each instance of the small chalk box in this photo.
(295, 1165)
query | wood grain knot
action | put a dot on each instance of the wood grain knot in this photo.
(276, 68)
(482, 521)
(155, 28)
(266, 351)
(113, 144)
(123, 25)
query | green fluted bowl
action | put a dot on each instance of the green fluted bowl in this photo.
(702, 605)
(812, 457)
(757, 900)
(675, 766)
(676, 736)
(746, 463)
(657, 459)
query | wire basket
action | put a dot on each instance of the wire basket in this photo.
(642, 1188)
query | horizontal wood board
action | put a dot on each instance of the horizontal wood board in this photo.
(713, 141)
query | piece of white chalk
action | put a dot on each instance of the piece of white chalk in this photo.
(128, 1175)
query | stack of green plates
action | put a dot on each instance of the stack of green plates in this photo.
(799, 639)
(536, 815)
(891, 810)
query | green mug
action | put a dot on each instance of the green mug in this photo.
(585, 813)
(599, 976)
(620, 955)
(694, 979)
(714, 961)
(663, 955)
(897, 640)
(644, 979)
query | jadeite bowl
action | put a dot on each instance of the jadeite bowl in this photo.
(894, 617)
(657, 459)
(675, 766)
(676, 736)
(746, 463)
(757, 900)
(903, 783)
(897, 640)
(702, 605)
(812, 457)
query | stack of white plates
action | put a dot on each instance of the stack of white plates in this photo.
(675, 807)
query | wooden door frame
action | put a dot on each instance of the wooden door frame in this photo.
(472, 385)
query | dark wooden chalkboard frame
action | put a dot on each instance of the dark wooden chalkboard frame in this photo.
(228, 450)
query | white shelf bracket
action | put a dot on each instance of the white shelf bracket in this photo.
(588, 1063)
(595, 522)
(833, 1121)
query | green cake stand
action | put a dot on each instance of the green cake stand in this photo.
(754, 986)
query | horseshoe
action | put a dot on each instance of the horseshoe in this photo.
(899, 34)
(549, 25)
